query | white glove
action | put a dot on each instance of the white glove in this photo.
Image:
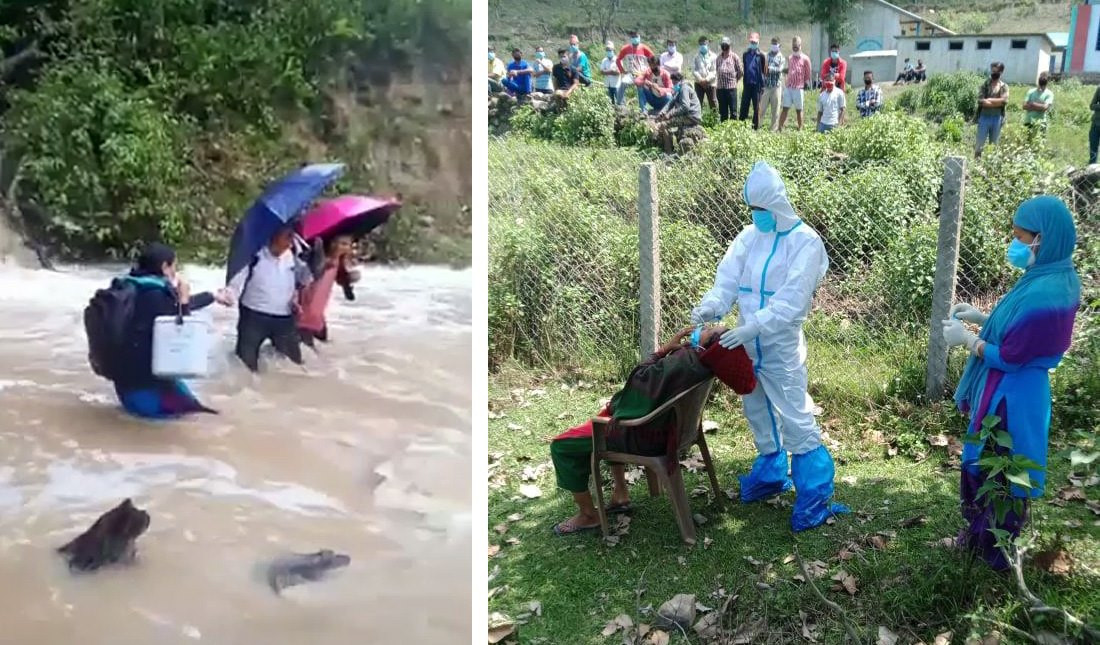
(703, 314)
(969, 313)
(954, 333)
(743, 335)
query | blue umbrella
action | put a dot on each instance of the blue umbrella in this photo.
(281, 202)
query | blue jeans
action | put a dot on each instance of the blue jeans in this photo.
(514, 88)
(989, 127)
(825, 127)
(653, 100)
(616, 95)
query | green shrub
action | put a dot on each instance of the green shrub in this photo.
(905, 272)
(944, 96)
(882, 138)
(951, 130)
(589, 119)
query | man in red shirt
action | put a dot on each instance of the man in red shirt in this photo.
(654, 86)
(633, 62)
(836, 66)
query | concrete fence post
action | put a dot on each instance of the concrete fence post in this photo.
(947, 264)
(649, 255)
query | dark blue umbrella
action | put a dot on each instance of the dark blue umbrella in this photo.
(281, 202)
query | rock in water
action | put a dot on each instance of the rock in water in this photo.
(296, 568)
(110, 540)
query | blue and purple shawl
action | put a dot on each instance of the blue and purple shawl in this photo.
(1026, 335)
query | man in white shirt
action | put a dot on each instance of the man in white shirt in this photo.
(830, 105)
(544, 68)
(609, 69)
(267, 290)
(705, 73)
(672, 61)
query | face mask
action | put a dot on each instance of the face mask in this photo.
(725, 48)
(539, 55)
(1020, 254)
(517, 58)
(995, 76)
(696, 335)
(763, 220)
(775, 49)
(796, 49)
(635, 41)
(867, 82)
(703, 49)
(492, 55)
(672, 49)
(609, 53)
(564, 60)
(676, 87)
(574, 48)
(829, 87)
(753, 46)
(834, 55)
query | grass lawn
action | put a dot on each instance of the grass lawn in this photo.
(902, 506)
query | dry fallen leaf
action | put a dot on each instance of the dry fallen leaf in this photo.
(500, 627)
(515, 427)
(914, 521)
(1056, 562)
(710, 426)
(699, 519)
(943, 639)
(535, 607)
(788, 559)
(817, 568)
(494, 549)
(530, 491)
(1093, 506)
(657, 637)
(693, 463)
(501, 528)
(1071, 493)
(938, 440)
(808, 628)
(677, 612)
(622, 621)
(514, 517)
(847, 582)
(707, 542)
(747, 633)
(707, 627)
(886, 637)
(878, 542)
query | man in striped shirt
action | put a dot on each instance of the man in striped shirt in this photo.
(728, 70)
(773, 84)
(798, 79)
(869, 99)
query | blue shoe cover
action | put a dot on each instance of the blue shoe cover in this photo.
(767, 478)
(813, 481)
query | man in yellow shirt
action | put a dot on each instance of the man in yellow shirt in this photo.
(496, 72)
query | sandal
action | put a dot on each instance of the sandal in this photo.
(561, 530)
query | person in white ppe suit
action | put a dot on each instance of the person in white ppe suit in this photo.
(771, 270)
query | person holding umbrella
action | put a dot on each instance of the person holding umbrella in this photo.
(264, 273)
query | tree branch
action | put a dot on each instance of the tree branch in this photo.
(853, 633)
(1037, 605)
(9, 64)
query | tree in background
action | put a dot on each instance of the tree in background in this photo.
(833, 16)
(601, 15)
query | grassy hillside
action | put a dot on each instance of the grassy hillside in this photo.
(527, 22)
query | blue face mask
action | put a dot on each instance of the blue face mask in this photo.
(676, 88)
(539, 55)
(763, 220)
(703, 49)
(696, 334)
(834, 55)
(610, 54)
(753, 46)
(1020, 254)
(492, 55)
(635, 41)
(573, 48)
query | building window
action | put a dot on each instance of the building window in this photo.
(1019, 44)
(924, 45)
(955, 45)
(985, 44)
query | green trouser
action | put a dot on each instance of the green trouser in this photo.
(572, 458)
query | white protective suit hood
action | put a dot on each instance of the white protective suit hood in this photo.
(764, 189)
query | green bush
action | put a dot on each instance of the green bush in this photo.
(106, 165)
(944, 96)
(904, 273)
(951, 130)
(589, 120)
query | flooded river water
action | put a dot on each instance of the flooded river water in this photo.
(366, 452)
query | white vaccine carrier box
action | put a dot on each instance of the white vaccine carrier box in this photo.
(181, 346)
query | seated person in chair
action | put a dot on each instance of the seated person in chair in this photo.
(672, 369)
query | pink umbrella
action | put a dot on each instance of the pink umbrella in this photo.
(353, 215)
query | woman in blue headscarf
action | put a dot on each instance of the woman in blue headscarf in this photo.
(1006, 375)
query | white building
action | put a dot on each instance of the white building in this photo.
(1024, 55)
(876, 25)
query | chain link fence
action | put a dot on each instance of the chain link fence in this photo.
(565, 275)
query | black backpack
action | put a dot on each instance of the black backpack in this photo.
(107, 325)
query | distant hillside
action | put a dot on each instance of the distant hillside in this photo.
(525, 23)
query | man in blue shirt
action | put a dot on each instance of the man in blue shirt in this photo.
(755, 73)
(518, 82)
(579, 61)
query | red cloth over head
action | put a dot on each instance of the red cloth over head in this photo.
(731, 366)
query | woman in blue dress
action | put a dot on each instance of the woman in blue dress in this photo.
(1007, 374)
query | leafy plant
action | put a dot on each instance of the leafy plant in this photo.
(1002, 471)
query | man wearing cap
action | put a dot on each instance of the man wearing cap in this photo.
(672, 61)
(705, 73)
(496, 71)
(756, 70)
(799, 73)
(612, 79)
(728, 72)
(632, 62)
(579, 61)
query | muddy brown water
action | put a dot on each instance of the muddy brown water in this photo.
(367, 452)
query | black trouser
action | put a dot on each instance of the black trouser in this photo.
(727, 102)
(254, 327)
(751, 96)
(1094, 142)
(706, 91)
